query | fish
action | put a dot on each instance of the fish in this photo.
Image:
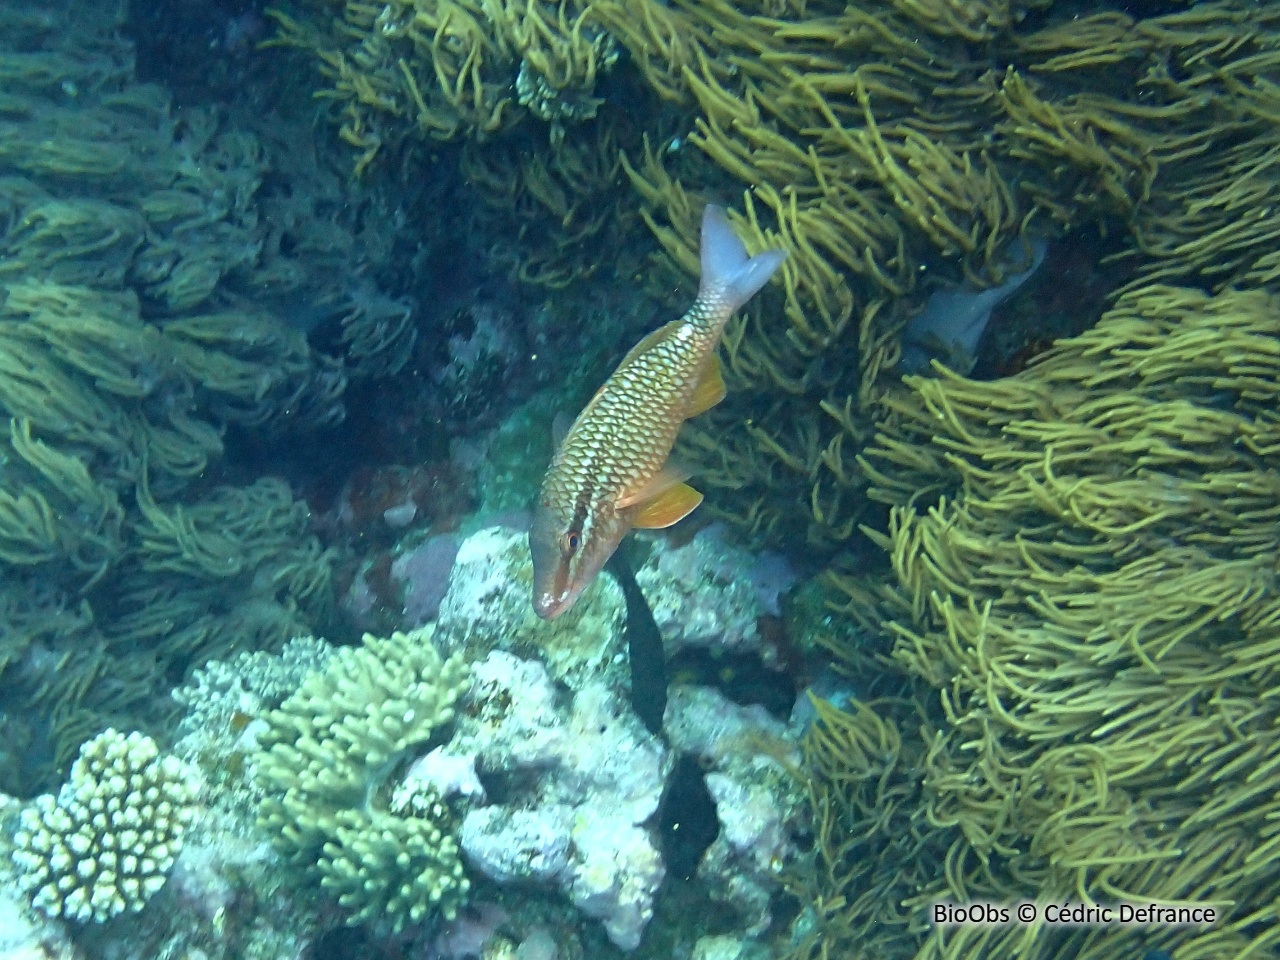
(612, 472)
(644, 646)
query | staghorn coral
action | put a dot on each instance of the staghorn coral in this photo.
(106, 842)
(327, 754)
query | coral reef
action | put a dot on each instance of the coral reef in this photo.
(583, 780)
(376, 772)
(585, 824)
(1083, 569)
(711, 593)
(324, 759)
(1044, 622)
(106, 842)
(896, 152)
(707, 595)
(486, 607)
(749, 761)
(25, 937)
(223, 702)
(138, 247)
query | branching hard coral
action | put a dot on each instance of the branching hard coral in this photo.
(324, 768)
(219, 698)
(106, 842)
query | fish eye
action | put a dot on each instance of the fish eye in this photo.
(570, 542)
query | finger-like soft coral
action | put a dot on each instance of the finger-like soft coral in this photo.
(1085, 558)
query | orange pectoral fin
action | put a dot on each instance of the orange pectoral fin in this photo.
(672, 475)
(666, 508)
(709, 391)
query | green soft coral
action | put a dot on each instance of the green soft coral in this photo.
(325, 757)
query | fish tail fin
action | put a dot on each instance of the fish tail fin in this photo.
(729, 277)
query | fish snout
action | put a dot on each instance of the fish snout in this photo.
(552, 595)
(548, 605)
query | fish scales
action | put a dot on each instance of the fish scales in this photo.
(632, 424)
(612, 470)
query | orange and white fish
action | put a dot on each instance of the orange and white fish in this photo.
(612, 471)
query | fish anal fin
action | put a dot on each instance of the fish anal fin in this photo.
(672, 475)
(709, 391)
(667, 508)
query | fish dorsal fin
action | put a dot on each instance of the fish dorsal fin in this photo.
(709, 391)
(671, 475)
(667, 508)
(648, 342)
(560, 428)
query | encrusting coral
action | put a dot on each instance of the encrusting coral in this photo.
(326, 761)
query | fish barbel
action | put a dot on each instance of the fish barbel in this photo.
(612, 472)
